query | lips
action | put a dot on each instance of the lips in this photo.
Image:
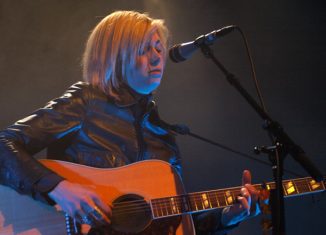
(155, 71)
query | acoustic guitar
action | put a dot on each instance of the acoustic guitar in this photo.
(142, 195)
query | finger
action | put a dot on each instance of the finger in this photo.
(246, 177)
(82, 217)
(88, 220)
(103, 209)
(254, 196)
(91, 219)
(99, 215)
(243, 205)
(245, 193)
(251, 188)
(252, 191)
(95, 213)
(87, 213)
(246, 201)
(103, 206)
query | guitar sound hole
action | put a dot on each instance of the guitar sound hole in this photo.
(130, 214)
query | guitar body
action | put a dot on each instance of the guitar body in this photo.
(143, 181)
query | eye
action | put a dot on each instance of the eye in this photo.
(158, 49)
(144, 49)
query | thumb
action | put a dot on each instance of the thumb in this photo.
(246, 177)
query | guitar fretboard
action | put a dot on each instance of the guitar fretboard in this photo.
(207, 200)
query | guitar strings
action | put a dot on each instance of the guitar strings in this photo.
(216, 192)
(163, 205)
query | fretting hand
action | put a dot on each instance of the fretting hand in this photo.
(247, 205)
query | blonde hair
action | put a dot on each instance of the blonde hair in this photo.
(114, 44)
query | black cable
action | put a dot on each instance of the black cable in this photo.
(254, 77)
(238, 152)
(184, 130)
(253, 70)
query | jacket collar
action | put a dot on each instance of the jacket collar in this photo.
(125, 96)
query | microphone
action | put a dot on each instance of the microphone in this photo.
(183, 51)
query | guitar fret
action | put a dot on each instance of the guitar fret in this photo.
(154, 209)
(159, 210)
(213, 202)
(162, 212)
(304, 187)
(174, 206)
(222, 200)
(217, 200)
(307, 182)
(171, 206)
(297, 185)
(168, 210)
(167, 207)
(284, 189)
(235, 194)
(209, 201)
(193, 202)
(315, 185)
(229, 198)
(185, 204)
(205, 201)
(226, 202)
(289, 188)
(270, 186)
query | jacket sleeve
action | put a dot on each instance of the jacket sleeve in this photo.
(209, 223)
(18, 169)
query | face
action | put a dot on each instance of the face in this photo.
(147, 74)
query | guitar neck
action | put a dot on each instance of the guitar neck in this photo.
(208, 200)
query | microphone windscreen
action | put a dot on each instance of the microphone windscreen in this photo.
(175, 55)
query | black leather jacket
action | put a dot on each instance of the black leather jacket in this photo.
(88, 127)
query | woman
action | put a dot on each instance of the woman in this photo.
(109, 120)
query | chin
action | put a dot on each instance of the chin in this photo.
(153, 87)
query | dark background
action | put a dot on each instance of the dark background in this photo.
(41, 43)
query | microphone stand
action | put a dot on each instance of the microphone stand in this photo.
(283, 145)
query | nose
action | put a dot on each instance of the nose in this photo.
(155, 57)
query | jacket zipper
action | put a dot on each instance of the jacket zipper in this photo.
(140, 140)
(139, 119)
